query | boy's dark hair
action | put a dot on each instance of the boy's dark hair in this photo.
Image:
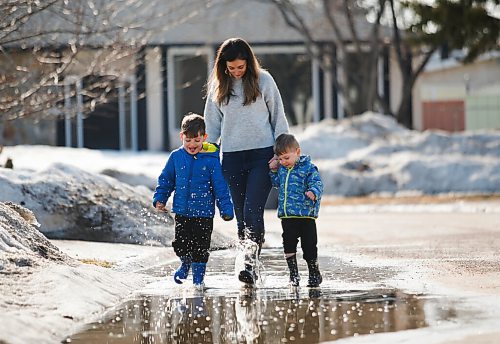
(285, 143)
(193, 125)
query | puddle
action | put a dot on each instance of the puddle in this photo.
(272, 313)
(263, 316)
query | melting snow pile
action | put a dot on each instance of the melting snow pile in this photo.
(373, 154)
(21, 244)
(74, 204)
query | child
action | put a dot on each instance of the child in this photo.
(300, 189)
(194, 172)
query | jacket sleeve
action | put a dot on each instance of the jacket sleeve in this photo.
(275, 179)
(314, 182)
(213, 119)
(221, 190)
(274, 102)
(166, 182)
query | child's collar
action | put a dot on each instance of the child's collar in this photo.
(208, 147)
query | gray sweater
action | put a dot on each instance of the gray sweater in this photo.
(239, 127)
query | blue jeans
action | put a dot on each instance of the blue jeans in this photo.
(247, 174)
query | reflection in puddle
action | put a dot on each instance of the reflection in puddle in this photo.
(266, 316)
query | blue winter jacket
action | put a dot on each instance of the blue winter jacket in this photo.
(198, 184)
(293, 183)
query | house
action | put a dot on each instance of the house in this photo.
(171, 69)
(452, 96)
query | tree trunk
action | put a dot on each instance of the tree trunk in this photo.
(404, 113)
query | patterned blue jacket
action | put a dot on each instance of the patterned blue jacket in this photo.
(198, 184)
(293, 183)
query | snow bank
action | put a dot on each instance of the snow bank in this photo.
(331, 139)
(372, 154)
(45, 294)
(74, 204)
(21, 244)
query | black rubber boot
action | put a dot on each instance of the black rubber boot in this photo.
(249, 275)
(294, 270)
(315, 277)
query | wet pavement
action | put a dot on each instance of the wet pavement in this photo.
(227, 312)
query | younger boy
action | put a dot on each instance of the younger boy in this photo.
(194, 172)
(300, 190)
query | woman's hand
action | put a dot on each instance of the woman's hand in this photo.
(273, 163)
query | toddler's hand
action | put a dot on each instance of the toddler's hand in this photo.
(160, 206)
(227, 217)
(310, 195)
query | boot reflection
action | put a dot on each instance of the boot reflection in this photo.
(247, 311)
(190, 321)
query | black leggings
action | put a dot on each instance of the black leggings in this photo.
(192, 237)
(247, 174)
(305, 229)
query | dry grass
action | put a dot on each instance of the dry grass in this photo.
(419, 199)
(97, 262)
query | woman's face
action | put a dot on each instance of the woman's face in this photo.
(237, 68)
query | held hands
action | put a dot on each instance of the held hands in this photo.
(273, 163)
(310, 195)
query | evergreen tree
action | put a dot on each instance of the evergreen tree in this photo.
(462, 24)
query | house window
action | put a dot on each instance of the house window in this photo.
(293, 75)
(100, 112)
(189, 68)
(356, 81)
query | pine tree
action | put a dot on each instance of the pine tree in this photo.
(462, 24)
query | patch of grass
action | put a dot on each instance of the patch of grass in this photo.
(97, 262)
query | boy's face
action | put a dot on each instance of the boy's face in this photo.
(289, 158)
(193, 145)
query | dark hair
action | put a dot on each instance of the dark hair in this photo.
(193, 125)
(230, 50)
(285, 143)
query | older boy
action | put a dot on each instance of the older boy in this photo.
(194, 172)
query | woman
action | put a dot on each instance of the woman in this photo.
(245, 111)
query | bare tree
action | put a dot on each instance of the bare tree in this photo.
(98, 41)
(358, 46)
(462, 24)
(412, 60)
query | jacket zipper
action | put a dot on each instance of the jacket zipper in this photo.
(189, 181)
(286, 190)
